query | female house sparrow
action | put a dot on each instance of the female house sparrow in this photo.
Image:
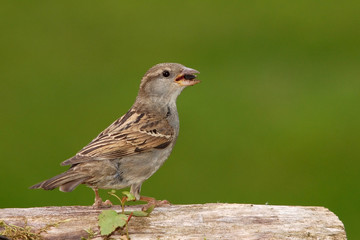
(135, 146)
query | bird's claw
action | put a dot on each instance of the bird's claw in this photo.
(100, 204)
(155, 203)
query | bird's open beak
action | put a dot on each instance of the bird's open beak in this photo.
(187, 77)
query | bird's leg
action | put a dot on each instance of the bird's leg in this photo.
(153, 202)
(135, 190)
(98, 203)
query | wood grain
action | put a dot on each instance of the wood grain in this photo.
(205, 221)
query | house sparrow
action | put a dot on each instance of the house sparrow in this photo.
(135, 146)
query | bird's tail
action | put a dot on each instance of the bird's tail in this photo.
(66, 182)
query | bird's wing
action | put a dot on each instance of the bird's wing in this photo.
(132, 134)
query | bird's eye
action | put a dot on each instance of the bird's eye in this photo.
(165, 73)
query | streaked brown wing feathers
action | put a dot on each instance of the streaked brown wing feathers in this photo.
(129, 135)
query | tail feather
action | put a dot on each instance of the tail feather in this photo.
(68, 187)
(66, 182)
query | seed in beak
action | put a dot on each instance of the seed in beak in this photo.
(189, 76)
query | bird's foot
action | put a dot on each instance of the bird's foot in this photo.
(100, 204)
(153, 202)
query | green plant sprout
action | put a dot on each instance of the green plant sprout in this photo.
(110, 220)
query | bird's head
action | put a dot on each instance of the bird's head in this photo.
(165, 81)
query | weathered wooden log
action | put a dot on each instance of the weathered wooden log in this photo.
(205, 221)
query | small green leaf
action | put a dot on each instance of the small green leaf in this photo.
(109, 221)
(150, 209)
(129, 196)
(137, 213)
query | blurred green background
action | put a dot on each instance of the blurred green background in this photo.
(275, 120)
